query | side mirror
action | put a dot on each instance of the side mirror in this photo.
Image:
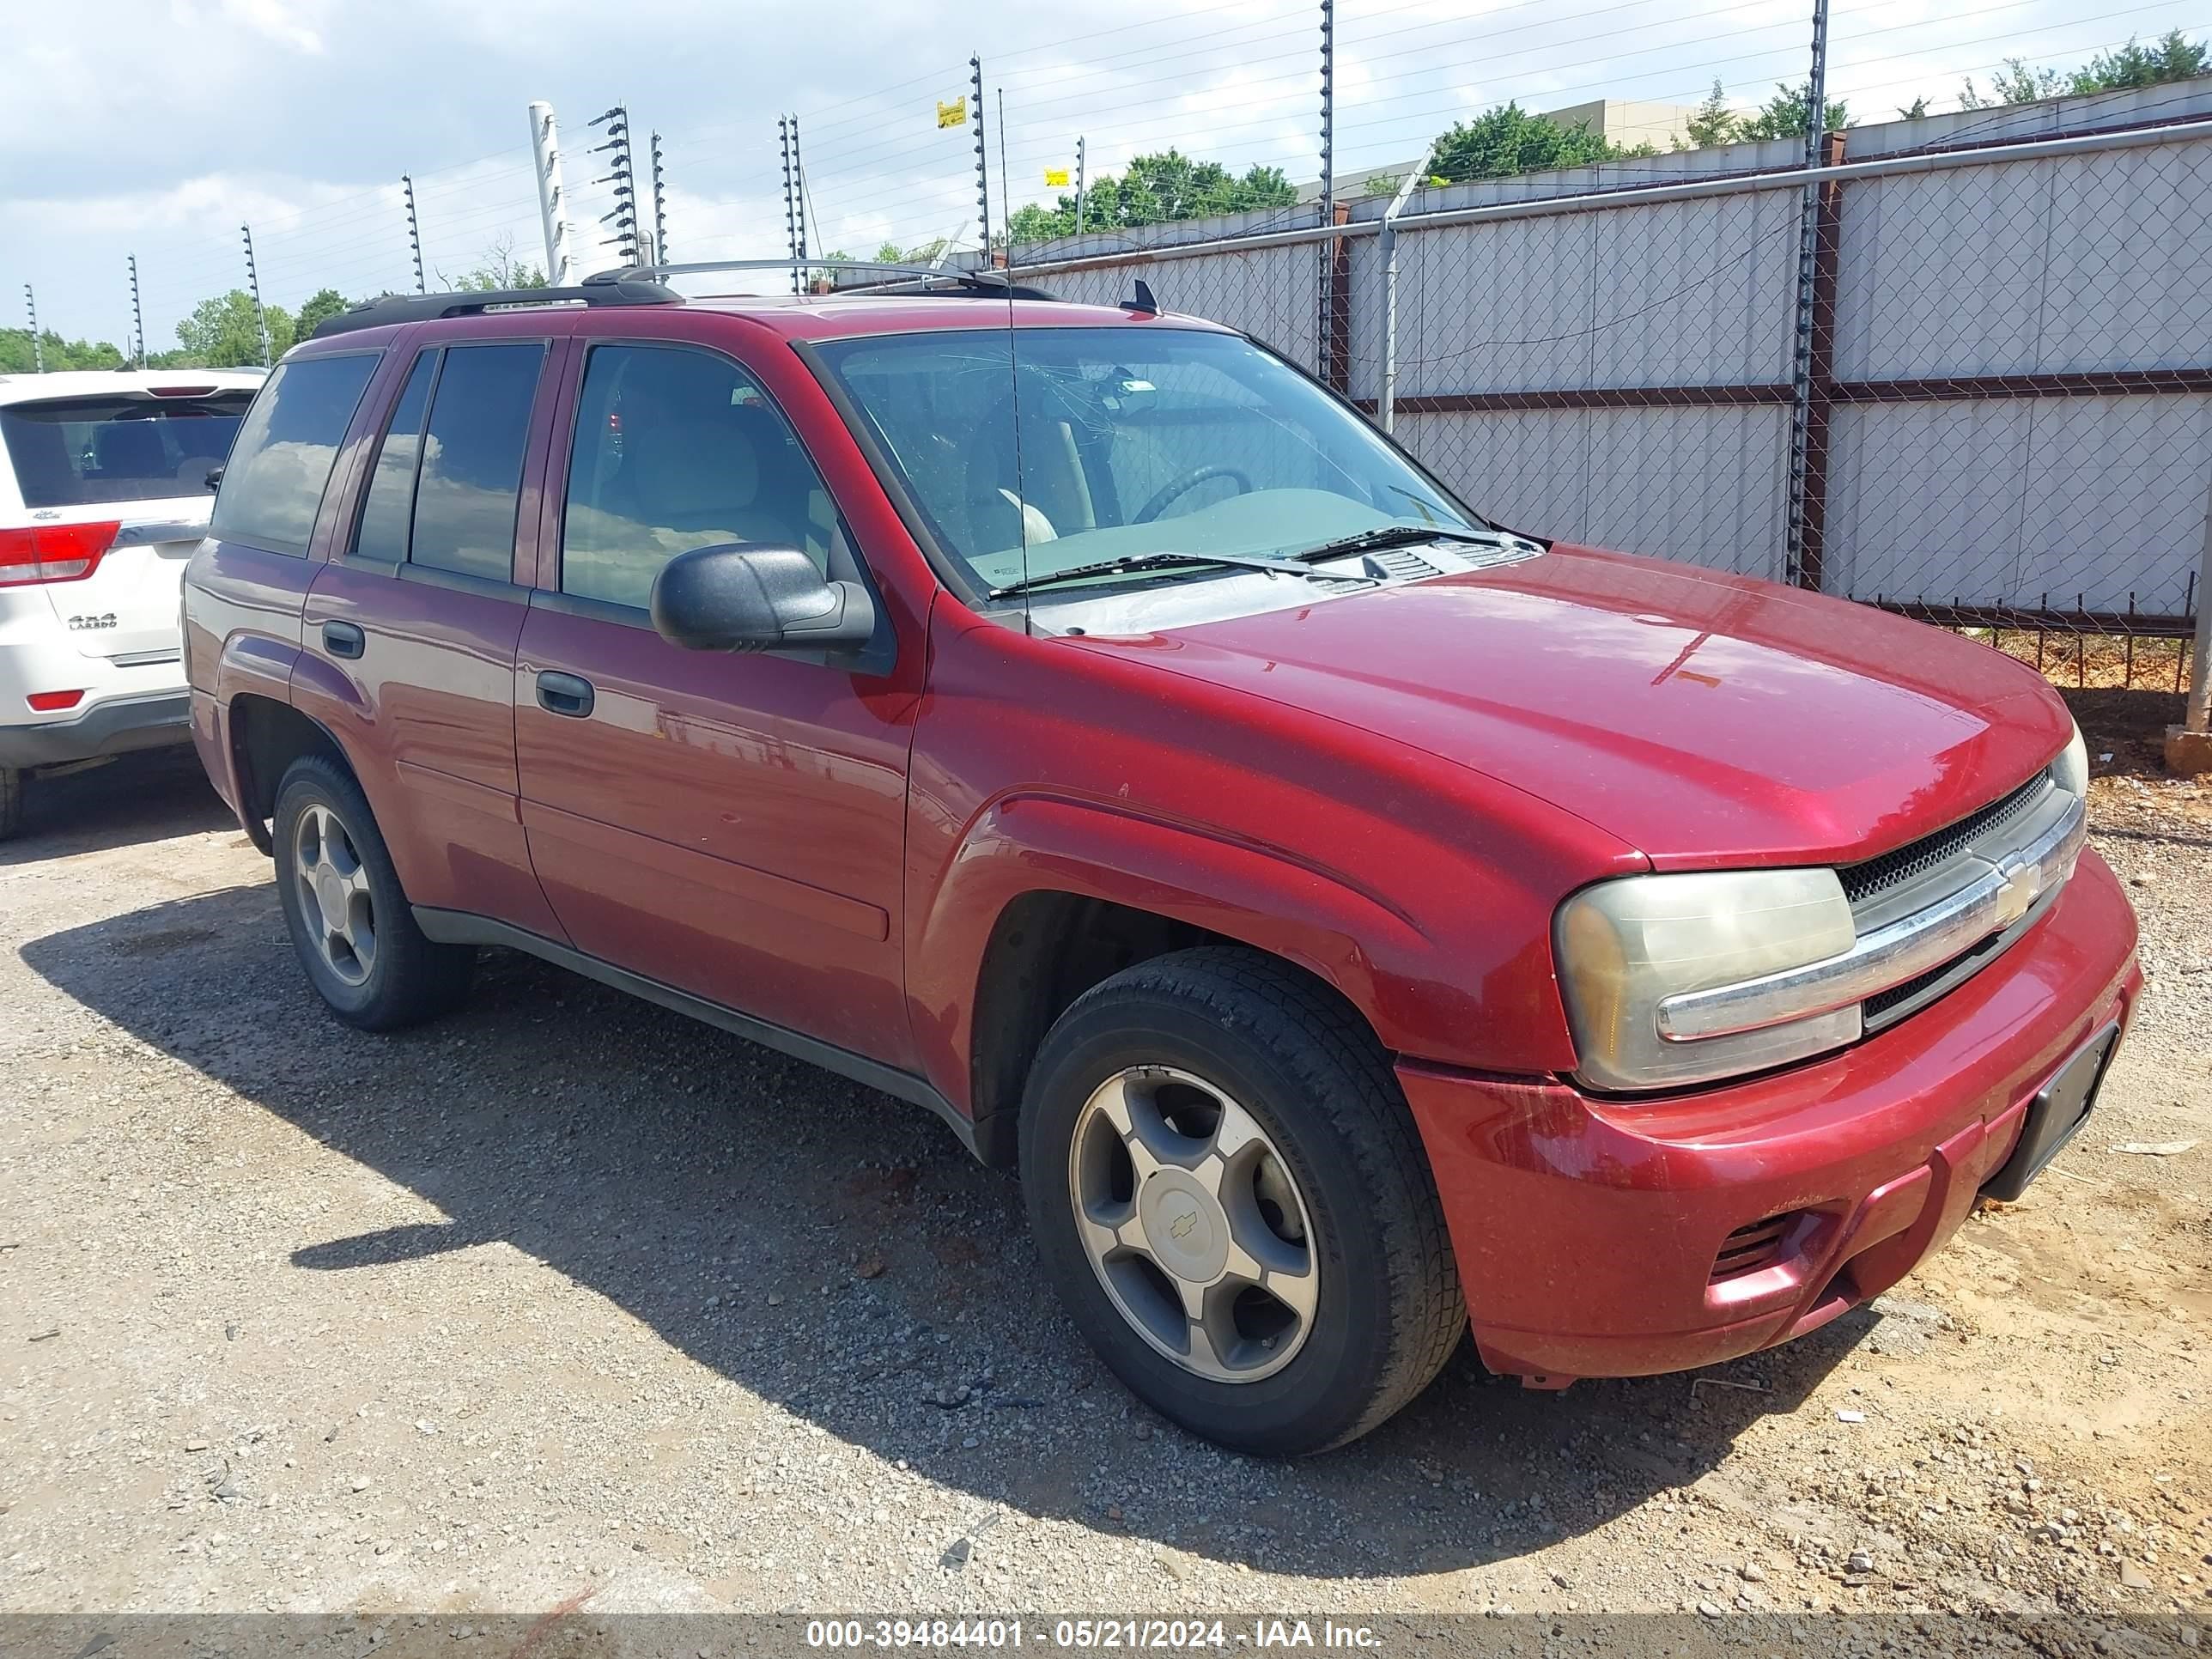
(740, 596)
(214, 479)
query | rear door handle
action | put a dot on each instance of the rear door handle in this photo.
(564, 693)
(343, 639)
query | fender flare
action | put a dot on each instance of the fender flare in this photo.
(1350, 936)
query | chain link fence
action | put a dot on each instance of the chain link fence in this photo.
(2005, 409)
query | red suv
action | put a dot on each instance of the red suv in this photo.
(1355, 920)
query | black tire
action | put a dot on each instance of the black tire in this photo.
(11, 803)
(410, 978)
(1307, 1067)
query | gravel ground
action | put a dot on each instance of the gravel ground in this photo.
(568, 1295)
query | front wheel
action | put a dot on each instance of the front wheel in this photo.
(11, 803)
(1229, 1195)
(342, 904)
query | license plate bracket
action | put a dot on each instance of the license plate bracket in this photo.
(2056, 1115)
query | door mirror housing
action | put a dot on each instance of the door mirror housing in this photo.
(742, 596)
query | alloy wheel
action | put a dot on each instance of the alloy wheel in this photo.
(1191, 1218)
(335, 901)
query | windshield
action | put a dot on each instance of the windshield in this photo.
(1129, 441)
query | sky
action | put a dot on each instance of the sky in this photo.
(158, 127)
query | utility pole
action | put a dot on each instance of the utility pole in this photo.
(552, 206)
(659, 207)
(413, 232)
(1328, 109)
(623, 178)
(790, 199)
(1005, 206)
(1323, 324)
(1078, 185)
(137, 318)
(798, 185)
(38, 351)
(253, 283)
(1796, 553)
(982, 162)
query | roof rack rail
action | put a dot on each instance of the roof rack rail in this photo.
(934, 281)
(617, 289)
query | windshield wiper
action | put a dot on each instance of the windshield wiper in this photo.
(1398, 535)
(1274, 566)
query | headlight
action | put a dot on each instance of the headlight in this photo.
(2071, 771)
(1623, 947)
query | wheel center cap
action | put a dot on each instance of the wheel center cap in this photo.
(1183, 1222)
(330, 894)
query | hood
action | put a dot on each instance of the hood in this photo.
(1702, 718)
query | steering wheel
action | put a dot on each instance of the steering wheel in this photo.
(1175, 488)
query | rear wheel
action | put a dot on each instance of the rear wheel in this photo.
(1231, 1197)
(349, 918)
(11, 802)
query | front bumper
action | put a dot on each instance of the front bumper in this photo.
(1586, 1230)
(111, 727)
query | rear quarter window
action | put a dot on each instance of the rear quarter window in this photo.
(81, 452)
(273, 487)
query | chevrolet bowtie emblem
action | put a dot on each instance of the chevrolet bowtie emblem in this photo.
(1182, 1225)
(2022, 883)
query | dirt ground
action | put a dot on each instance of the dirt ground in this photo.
(569, 1297)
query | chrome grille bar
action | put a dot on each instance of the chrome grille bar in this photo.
(1890, 955)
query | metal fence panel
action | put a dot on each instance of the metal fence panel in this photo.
(2010, 399)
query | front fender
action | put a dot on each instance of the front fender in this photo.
(1421, 995)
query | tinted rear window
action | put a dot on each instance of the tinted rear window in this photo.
(77, 451)
(274, 483)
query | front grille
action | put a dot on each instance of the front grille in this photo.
(1749, 1249)
(1878, 875)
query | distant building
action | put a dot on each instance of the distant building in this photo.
(1626, 122)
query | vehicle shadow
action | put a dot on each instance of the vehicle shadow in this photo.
(836, 1252)
(133, 797)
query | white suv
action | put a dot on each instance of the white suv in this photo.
(104, 494)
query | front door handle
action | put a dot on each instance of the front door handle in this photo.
(343, 639)
(564, 693)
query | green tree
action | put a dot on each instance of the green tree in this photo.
(497, 267)
(2173, 56)
(1713, 122)
(1915, 111)
(1155, 190)
(16, 357)
(1507, 140)
(1783, 116)
(223, 333)
(322, 302)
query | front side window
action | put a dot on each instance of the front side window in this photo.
(470, 476)
(1041, 449)
(273, 486)
(677, 448)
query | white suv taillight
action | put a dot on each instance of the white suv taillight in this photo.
(53, 552)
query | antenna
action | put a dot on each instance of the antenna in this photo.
(253, 284)
(138, 318)
(1078, 185)
(38, 351)
(623, 177)
(413, 232)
